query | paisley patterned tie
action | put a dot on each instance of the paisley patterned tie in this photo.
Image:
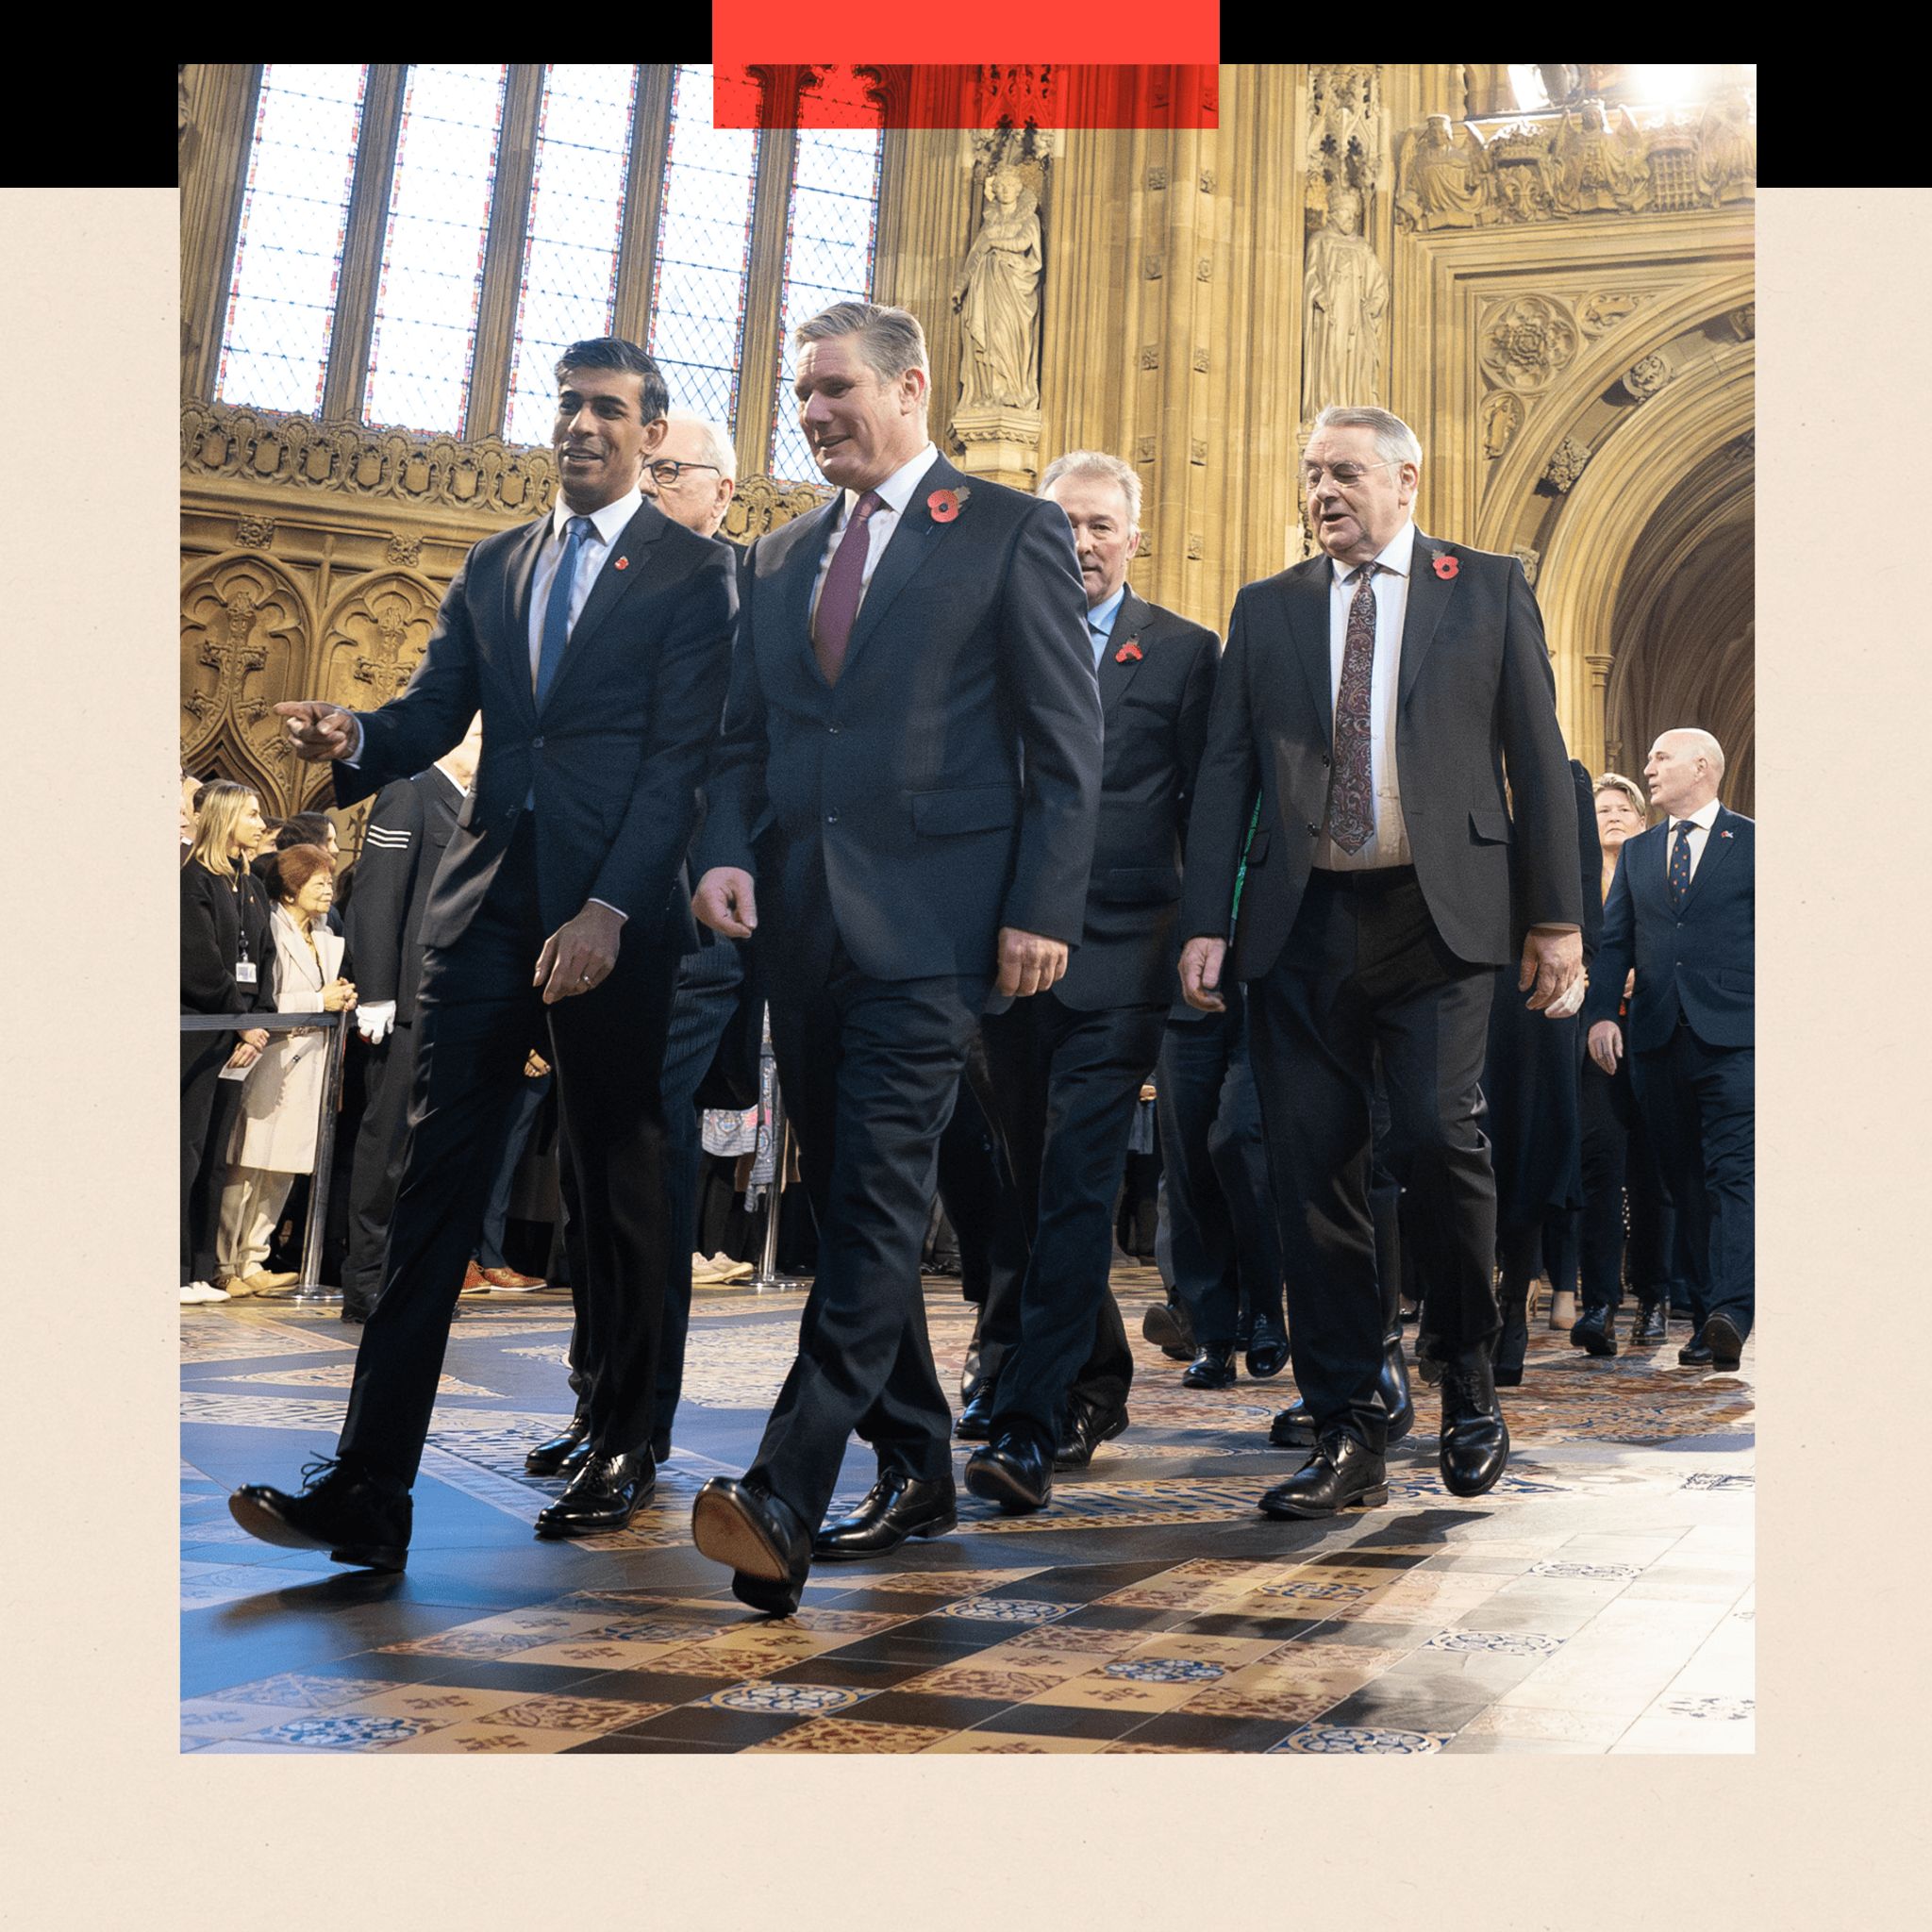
(1680, 864)
(1352, 788)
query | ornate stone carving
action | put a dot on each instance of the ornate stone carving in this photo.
(342, 458)
(1207, 180)
(1501, 417)
(1204, 269)
(1566, 465)
(1599, 314)
(1197, 450)
(1531, 560)
(1526, 340)
(241, 618)
(257, 533)
(1727, 150)
(1348, 138)
(1345, 293)
(997, 298)
(1522, 172)
(1157, 178)
(1143, 450)
(1443, 177)
(1201, 361)
(373, 638)
(1197, 547)
(1150, 355)
(760, 504)
(1646, 378)
(1153, 268)
(405, 550)
(1600, 165)
(1743, 322)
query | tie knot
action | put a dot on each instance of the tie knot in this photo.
(869, 502)
(1686, 826)
(1365, 573)
(577, 529)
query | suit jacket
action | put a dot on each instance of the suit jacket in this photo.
(409, 830)
(615, 756)
(1475, 695)
(948, 784)
(1698, 961)
(1155, 709)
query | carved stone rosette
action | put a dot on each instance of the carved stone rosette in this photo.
(1527, 341)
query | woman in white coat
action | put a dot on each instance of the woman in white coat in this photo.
(274, 1134)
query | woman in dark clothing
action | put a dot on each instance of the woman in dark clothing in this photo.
(1530, 1081)
(227, 966)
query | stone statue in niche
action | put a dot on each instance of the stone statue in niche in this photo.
(1600, 168)
(997, 298)
(1727, 150)
(1345, 292)
(1444, 181)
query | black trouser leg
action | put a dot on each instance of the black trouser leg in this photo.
(1203, 1244)
(381, 1147)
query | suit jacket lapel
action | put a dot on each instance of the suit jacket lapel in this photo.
(802, 547)
(520, 566)
(621, 571)
(1716, 848)
(912, 544)
(1428, 598)
(1306, 593)
(1115, 675)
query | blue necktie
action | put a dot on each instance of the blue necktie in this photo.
(557, 612)
(1099, 643)
(1680, 864)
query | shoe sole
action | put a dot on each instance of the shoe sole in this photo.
(1369, 1499)
(727, 1535)
(263, 1523)
(1592, 1345)
(1198, 1383)
(837, 1553)
(992, 1484)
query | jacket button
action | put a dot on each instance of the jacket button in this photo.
(1324, 758)
(1314, 831)
(831, 818)
(833, 730)
(536, 745)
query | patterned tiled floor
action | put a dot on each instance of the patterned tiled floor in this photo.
(1598, 1600)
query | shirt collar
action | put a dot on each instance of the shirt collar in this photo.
(609, 521)
(449, 778)
(1703, 818)
(1102, 618)
(1395, 558)
(896, 491)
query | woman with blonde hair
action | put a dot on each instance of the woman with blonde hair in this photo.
(227, 966)
(274, 1138)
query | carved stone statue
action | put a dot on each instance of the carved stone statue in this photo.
(1346, 293)
(1600, 167)
(1727, 150)
(1443, 179)
(997, 297)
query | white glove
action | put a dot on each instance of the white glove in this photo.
(374, 1019)
(1567, 1003)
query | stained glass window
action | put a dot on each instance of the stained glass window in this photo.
(704, 253)
(289, 250)
(831, 236)
(569, 285)
(432, 251)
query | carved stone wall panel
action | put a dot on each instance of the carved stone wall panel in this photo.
(374, 637)
(761, 504)
(245, 628)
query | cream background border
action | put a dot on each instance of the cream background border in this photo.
(108, 1827)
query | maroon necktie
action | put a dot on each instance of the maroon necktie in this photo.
(1351, 791)
(844, 586)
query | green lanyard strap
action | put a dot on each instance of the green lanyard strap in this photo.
(1240, 877)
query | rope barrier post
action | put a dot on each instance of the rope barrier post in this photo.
(775, 1137)
(308, 1293)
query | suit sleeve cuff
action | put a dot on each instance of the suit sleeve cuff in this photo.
(353, 755)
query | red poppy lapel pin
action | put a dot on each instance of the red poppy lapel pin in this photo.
(623, 563)
(1723, 835)
(1128, 652)
(1447, 567)
(945, 504)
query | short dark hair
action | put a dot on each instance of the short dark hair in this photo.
(304, 828)
(614, 352)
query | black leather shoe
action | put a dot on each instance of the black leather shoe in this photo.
(605, 1493)
(896, 1506)
(1474, 1445)
(1391, 1384)
(356, 1517)
(1340, 1473)
(1294, 1429)
(757, 1538)
(1725, 1344)
(1084, 1430)
(560, 1453)
(1651, 1328)
(1014, 1471)
(1596, 1330)
(1212, 1368)
(356, 1310)
(975, 1419)
(1696, 1352)
(1171, 1329)
(1267, 1352)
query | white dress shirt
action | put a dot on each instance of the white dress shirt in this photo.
(1388, 844)
(896, 492)
(606, 526)
(1700, 822)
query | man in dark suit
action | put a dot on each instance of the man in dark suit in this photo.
(410, 828)
(904, 806)
(1682, 910)
(595, 642)
(1068, 1065)
(1374, 696)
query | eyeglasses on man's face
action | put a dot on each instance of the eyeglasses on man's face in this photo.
(1343, 476)
(667, 473)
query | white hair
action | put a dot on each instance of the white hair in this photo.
(712, 438)
(1094, 462)
(1395, 442)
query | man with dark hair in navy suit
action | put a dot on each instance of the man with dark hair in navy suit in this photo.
(1682, 910)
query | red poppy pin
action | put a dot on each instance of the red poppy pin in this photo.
(945, 504)
(1128, 650)
(623, 563)
(1723, 835)
(1447, 567)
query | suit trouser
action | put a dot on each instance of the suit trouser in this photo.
(376, 1173)
(510, 1144)
(972, 1183)
(1222, 1239)
(869, 1069)
(709, 985)
(479, 1019)
(1066, 1084)
(1699, 1103)
(1364, 967)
